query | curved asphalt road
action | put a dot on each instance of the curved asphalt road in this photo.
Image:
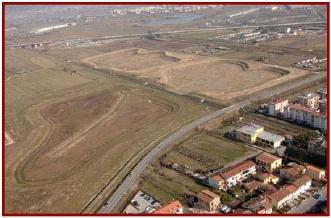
(140, 167)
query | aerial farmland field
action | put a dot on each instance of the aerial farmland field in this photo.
(217, 78)
(66, 125)
(101, 101)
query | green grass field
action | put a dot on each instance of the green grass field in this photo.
(198, 152)
(203, 151)
(167, 184)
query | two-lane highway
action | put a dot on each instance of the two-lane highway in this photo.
(140, 167)
(115, 198)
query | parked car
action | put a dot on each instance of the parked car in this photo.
(316, 195)
(223, 208)
(228, 210)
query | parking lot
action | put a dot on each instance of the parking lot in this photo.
(306, 200)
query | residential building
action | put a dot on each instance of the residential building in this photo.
(319, 121)
(258, 205)
(293, 190)
(268, 189)
(252, 185)
(235, 174)
(305, 115)
(240, 211)
(248, 133)
(142, 203)
(292, 171)
(267, 178)
(303, 184)
(208, 201)
(234, 204)
(216, 182)
(299, 113)
(309, 100)
(279, 198)
(268, 139)
(315, 173)
(268, 161)
(277, 106)
(173, 207)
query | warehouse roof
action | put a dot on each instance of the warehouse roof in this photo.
(249, 129)
(271, 137)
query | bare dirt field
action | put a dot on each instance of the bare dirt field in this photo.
(132, 59)
(24, 61)
(75, 132)
(218, 78)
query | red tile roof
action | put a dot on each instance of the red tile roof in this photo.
(291, 188)
(314, 169)
(293, 171)
(302, 181)
(262, 176)
(300, 107)
(280, 194)
(268, 188)
(253, 185)
(218, 178)
(266, 157)
(170, 208)
(258, 204)
(207, 196)
(234, 170)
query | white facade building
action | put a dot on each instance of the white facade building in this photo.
(277, 106)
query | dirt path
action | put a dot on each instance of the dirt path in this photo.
(82, 134)
(42, 131)
(35, 71)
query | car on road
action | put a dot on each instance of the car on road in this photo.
(106, 204)
(316, 195)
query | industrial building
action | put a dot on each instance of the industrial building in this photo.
(254, 133)
(248, 133)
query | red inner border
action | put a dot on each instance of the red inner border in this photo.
(4, 4)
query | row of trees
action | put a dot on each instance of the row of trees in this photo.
(306, 156)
